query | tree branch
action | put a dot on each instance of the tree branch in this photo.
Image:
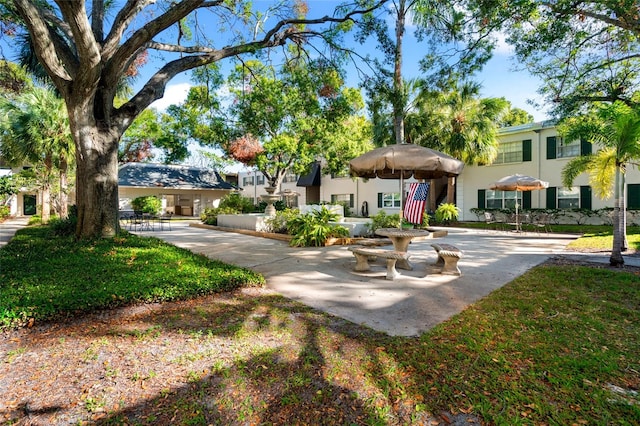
(121, 22)
(87, 49)
(179, 49)
(144, 35)
(51, 52)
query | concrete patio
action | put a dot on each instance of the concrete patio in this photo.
(323, 277)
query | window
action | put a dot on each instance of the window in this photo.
(569, 198)
(510, 152)
(260, 180)
(503, 199)
(389, 199)
(633, 196)
(247, 181)
(342, 198)
(293, 177)
(567, 149)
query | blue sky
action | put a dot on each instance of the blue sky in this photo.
(498, 79)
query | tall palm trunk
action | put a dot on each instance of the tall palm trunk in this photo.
(616, 258)
(398, 107)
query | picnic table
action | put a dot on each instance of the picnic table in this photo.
(401, 238)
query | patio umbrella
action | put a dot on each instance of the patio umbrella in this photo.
(516, 183)
(402, 161)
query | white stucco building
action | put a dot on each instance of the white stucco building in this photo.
(533, 149)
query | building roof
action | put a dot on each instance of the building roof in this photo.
(151, 175)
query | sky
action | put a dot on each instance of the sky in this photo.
(499, 78)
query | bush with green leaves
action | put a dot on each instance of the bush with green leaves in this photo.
(384, 220)
(241, 204)
(280, 222)
(65, 227)
(36, 219)
(148, 204)
(4, 212)
(447, 212)
(279, 205)
(313, 229)
(210, 214)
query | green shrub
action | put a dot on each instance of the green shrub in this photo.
(64, 227)
(210, 215)
(280, 222)
(4, 212)
(383, 220)
(236, 201)
(279, 205)
(447, 212)
(313, 229)
(149, 204)
(36, 219)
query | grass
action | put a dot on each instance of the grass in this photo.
(45, 277)
(558, 345)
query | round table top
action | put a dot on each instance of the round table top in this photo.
(399, 232)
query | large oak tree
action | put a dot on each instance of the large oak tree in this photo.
(87, 47)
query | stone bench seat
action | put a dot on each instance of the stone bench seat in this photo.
(363, 255)
(448, 256)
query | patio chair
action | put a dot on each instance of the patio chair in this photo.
(542, 222)
(490, 219)
(165, 219)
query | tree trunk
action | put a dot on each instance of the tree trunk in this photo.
(398, 107)
(45, 214)
(96, 175)
(64, 188)
(624, 245)
(616, 258)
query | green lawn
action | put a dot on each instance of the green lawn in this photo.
(45, 276)
(559, 345)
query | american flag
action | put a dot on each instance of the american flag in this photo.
(416, 200)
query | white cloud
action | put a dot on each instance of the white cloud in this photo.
(502, 47)
(174, 94)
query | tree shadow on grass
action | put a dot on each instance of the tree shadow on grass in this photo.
(225, 359)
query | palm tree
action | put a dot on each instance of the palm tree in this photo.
(616, 127)
(462, 124)
(36, 130)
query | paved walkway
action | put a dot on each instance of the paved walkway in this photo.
(323, 277)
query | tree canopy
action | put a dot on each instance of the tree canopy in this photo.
(583, 51)
(87, 51)
(280, 119)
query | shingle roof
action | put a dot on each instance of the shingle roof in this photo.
(149, 175)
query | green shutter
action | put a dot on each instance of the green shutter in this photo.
(551, 198)
(585, 197)
(585, 147)
(351, 199)
(526, 199)
(526, 150)
(482, 198)
(379, 200)
(551, 148)
(633, 196)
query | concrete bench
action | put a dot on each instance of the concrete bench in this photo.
(363, 255)
(448, 257)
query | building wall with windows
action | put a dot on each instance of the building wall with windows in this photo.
(533, 149)
(536, 150)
